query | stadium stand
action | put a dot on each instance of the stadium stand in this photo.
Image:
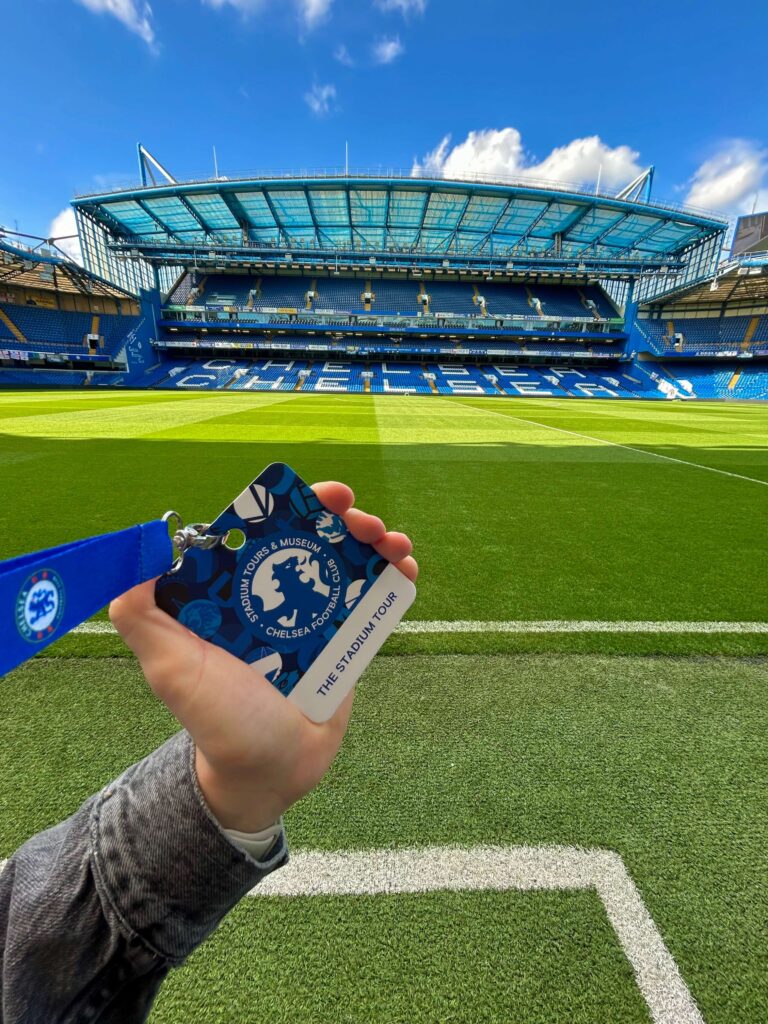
(382, 377)
(43, 378)
(753, 384)
(53, 330)
(280, 292)
(704, 334)
(392, 297)
(222, 290)
(456, 292)
(697, 380)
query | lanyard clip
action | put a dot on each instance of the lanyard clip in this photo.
(193, 536)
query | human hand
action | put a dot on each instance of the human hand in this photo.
(256, 753)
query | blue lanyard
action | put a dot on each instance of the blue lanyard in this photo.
(45, 594)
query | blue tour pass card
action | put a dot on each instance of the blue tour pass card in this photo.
(302, 601)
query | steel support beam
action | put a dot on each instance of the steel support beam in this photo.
(606, 231)
(157, 220)
(193, 213)
(310, 207)
(492, 230)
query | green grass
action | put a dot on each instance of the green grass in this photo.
(662, 760)
(510, 519)
(651, 745)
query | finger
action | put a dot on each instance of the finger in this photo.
(363, 527)
(149, 632)
(335, 496)
(337, 724)
(394, 546)
(408, 567)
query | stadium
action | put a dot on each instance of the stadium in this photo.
(389, 285)
(550, 806)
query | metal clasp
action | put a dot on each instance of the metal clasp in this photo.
(193, 536)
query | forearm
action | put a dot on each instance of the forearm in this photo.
(94, 912)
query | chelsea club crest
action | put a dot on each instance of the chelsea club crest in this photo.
(290, 588)
(40, 605)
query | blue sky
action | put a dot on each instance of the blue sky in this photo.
(552, 89)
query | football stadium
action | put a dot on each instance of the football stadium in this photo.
(550, 806)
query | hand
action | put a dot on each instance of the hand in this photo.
(256, 753)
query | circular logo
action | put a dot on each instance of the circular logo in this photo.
(40, 606)
(330, 527)
(255, 504)
(290, 589)
(202, 617)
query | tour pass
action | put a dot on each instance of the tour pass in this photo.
(301, 600)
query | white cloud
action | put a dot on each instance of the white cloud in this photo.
(314, 11)
(136, 15)
(321, 99)
(386, 50)
(343, 56)
(405, 7)
(311, 12)
(501, 153)
(729, 181)
(64, 224)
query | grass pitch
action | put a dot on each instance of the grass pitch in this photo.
(651, 745)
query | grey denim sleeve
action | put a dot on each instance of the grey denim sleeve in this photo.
(95, 912)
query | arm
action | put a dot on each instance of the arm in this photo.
(94, 912)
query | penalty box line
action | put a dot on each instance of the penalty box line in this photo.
(529, 626)
(616, 444)
(500, 869)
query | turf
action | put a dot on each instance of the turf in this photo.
(651, 745)
(511, 519)
(662, 760)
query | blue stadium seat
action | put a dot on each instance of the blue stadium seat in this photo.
(54, 330)
(394, 297)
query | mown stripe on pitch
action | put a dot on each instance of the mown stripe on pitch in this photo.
(615, 444)
(535, 626)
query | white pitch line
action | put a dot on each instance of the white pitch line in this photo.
(529, 626)
(616, 444)
(579, 626)
(499, 869)
(522, 868)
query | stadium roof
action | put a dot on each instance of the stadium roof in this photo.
(739, 279)
(45, 267)
(388, 216)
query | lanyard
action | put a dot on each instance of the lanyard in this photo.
(45, 594)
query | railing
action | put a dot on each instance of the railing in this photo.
(743, 259)
(363, 349)
(330, 318)
(292, 251)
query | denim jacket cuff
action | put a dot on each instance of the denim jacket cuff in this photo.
(162, 861)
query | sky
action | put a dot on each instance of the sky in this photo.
(553, 90)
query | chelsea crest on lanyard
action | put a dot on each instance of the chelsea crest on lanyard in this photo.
(301, 600)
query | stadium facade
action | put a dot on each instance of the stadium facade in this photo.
(377, 283)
